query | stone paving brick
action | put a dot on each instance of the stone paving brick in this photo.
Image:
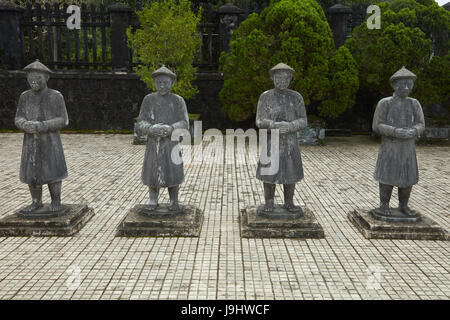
(104, 172)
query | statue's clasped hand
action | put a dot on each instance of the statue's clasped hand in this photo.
(405, 133)
(161, 130)
(34, 127)
(283, 126)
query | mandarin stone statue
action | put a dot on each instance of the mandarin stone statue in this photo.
(41, 113)
(399, 120)
(161, 113)
(280, 115)
(283, 109)
(162, 117)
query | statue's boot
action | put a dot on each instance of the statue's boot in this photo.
(173, 194)
(153, 193)
(55, 195)
(269, 195)
(289, 190)
(36, 199)
(385, 198)
(403, 198)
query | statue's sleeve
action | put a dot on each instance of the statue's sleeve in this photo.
(379, 120)
(182, 116)
(419, 120)
(144, 122)
(60, 119)
(300, 113)
(262, 116)
(20, 119)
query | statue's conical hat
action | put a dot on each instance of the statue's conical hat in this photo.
(281, 66)
(166, 71)
(403, 73)
(37, 66)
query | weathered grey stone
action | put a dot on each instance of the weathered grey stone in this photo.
(185, 223)
(76, 216)
(311, 135)
(436, 133)
(162, 211)
(395, 215)
(283, 109)
(371, 228)
(399, 120)
(254, 225)
(229, 22)
(161, 113)
(138, 138)
(41, 113)
(279, 212)
(44, 212)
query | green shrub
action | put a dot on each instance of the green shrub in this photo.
(413, 34)
(167, 36)
(297, 33)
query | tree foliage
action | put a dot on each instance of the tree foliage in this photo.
(167, 36)
(413, 34)
(297, 33)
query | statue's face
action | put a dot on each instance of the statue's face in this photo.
(281, 79)
(229, 20)
(163, 84)
(37, 80)
(403, 87)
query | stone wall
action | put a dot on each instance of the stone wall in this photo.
(107, 100)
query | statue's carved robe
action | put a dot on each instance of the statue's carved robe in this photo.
(159, 170)
(277, 106)
(397, 163)
(43, 158)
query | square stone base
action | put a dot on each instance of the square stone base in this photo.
(66, 225)
(256, 226)
(187, 223)
(371, 228)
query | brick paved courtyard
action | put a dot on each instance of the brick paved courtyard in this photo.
(104, 172)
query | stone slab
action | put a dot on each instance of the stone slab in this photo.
(395, 216)
(162, 210)
(256, 226)
(44, 212)
(279, 212)
(371, 228)
(66, 225)
(185, 224)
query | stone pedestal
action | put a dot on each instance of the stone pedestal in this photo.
(311, 136)
(300, 226)
(140, 222)
(64, 223)
(372, 228)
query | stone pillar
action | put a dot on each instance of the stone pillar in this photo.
(120, 16)
(229, 21)
(337, 18)
(11, 36)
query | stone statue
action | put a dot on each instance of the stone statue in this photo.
(399, 120)
(41, 113)
(283, 109)
(161, 113)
